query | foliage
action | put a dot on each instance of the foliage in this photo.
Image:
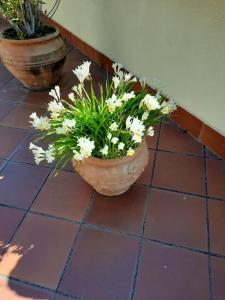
(106, 127)
(26, 17)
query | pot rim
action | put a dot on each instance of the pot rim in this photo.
(34, 40)
(112, 161)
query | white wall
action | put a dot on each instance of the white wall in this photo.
(177, 44)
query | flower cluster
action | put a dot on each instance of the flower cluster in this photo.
(108, 126)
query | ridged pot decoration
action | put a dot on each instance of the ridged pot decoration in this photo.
(113, 177)
(36, 62)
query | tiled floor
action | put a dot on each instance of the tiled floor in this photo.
(162, 240)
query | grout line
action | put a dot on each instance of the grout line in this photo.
(115, 231)
(137, 183)
(186, 153)
(207, 228)
(187, 193)
(37, 286)
(137, 267)
(12, 127)
(7, 161)
(9, 112)
(26, 212)
(76, 239)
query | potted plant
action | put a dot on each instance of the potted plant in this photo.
(31, 50)
(103, 136)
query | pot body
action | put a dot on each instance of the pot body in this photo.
(37, 63)
(113, 177)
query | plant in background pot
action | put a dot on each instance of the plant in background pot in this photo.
(104, 135)
(31, 50)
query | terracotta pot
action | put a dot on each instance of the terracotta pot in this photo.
(37, 63)
(113, 176)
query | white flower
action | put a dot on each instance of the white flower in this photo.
(77, 89)
(116, 82)
(61, 130)
(71, 96)
(55, 107)
(116, 67)
(55, 93)
(41, 123)
(114, 140)
(113, 102)
(142, 82)
(120, 74)
(134, 125)
(128, 96)
(113, 126)
(127, 77)
(145, 116)
(109, 136)
(67, 126)
(130, 152)
(168, 107)
(150, 131)
(128, 122)
(83, 71)
(38, 152)
(150, 102)
(137, 137)
(105, 150)
(121, 146)
(86, 146)
(77, 155)
(69, 123)
(49, 154)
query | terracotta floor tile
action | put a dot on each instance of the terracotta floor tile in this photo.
(20, 184)
(174, 139)
(1, 164)
(13, 91)
(179, 172)
(152, 140)
(67, 79)
(146, 176)
(171, 274)
(13, 290)
(38, 97)
(10, 138)
(5, 76)
(19, 117)
(177, 218)
(24, 154)
(124, 212)
(9, 219)
(216, 178)
(5, 108)
(60, 297)
(76, 58)
(65, 195)
(101, 267)
(44, 247)
(218, 278)
(217, 225)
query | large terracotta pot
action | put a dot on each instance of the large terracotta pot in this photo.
(113, 176)
(38, 62)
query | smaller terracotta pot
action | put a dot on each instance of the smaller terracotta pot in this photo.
(113, 177)
(37, 62)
